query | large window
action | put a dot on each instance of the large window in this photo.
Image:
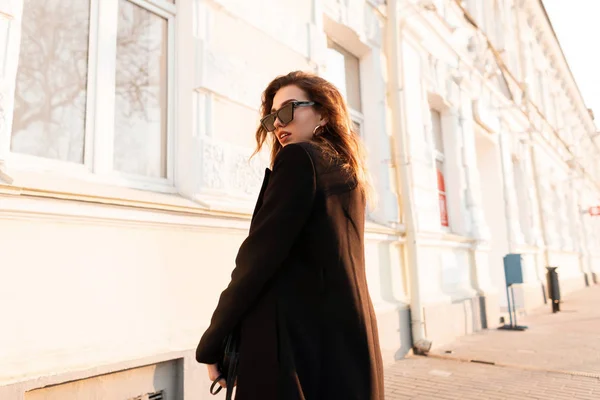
(343, 70)
(94, 86)
(438, 140)
(51, 90)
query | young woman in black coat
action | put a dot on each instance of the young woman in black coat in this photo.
(298, 293)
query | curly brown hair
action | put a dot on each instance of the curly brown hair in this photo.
(338, 139)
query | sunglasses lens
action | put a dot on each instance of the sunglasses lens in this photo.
(286, 113)
(268, 122)
(285, 116)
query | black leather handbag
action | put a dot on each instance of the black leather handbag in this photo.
(228, 364)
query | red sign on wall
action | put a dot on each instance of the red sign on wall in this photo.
(442, 198)
(443, 210)
(594, 211)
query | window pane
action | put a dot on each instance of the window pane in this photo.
(353, 82)
(343, 70)
(50, 94)
(141, 92)
(336, 70)
(442, 193)
(436, 126)
(439, 166)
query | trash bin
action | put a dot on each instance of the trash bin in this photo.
(553, 288)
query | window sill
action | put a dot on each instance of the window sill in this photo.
(135, 205)
(55, 186)
(445, 239)
(461, 294)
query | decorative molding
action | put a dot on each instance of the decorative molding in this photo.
(374, 27)
(160, 216)
(213, 166)
(64, 211)
(246, 175)
(228, 171)
(538, 23)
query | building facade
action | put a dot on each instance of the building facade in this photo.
(126, 183)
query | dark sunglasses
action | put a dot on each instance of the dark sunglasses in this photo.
(285, 114)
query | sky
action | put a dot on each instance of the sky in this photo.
(577, 25)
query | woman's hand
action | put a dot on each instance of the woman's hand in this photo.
(213, 373)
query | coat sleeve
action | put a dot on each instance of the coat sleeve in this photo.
(287, 203)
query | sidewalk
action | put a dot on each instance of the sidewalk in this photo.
(425, 378)
(566, 341)
(558, 357)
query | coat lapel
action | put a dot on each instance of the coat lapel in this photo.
(262, 193)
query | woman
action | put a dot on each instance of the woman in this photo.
(299, 291)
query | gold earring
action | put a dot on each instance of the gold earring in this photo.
(315, 130)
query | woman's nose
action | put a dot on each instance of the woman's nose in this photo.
(277, 123)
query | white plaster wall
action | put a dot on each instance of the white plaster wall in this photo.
(386, 275)
(129, 384)
(568, 264)
(431, 270)
(104, 292)
(99, 292)
(595, 266)
(91, 293)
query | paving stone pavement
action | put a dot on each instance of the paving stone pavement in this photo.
(425, 378)
(557, 357)
(566, 341)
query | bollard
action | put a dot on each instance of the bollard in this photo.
(553, 288)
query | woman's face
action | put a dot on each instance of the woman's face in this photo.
(306, 118)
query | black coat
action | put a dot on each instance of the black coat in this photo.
(299, 289)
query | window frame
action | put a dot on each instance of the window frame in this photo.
(98, 149)
(439, 156)
(357, 116)
(359, 119)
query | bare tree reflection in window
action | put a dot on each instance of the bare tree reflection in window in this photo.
(50, 95)
(141, 92)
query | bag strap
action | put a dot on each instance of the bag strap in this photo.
(219, 387)
(230, 384)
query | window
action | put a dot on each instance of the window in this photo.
(94, 86)
(343, 70)
(141, 92)
(51, 88)
(438, 140)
